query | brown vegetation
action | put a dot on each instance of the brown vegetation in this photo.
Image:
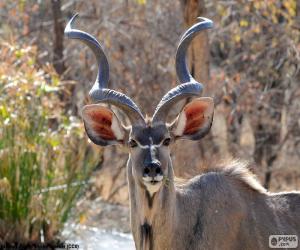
(253, 74)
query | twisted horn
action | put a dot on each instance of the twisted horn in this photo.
(100, 91)
(189, 86)
(182, 70)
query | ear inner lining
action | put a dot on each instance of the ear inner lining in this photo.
(103, 117)
(104, 132)
(101, 123)
(195, 118)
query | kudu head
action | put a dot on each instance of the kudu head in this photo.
(148, 140)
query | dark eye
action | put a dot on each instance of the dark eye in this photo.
(166, 142)
(132, 143)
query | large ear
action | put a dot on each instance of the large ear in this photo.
(195, 120)
(102, 125)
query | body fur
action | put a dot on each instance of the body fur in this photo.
(223, 209)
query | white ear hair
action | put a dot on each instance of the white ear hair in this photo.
(116, 128)
(181, 123)
(195, 120)
(102, 125)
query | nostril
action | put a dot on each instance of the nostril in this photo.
(146, 170)
(158, 170)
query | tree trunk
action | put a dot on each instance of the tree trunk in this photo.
(198, 54)
(267, 136)
(58, 47)
(188, 164)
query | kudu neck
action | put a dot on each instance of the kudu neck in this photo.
(149, 208)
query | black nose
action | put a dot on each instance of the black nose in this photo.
(152, 169)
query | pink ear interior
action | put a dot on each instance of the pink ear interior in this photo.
(100, 120)
(195, 116)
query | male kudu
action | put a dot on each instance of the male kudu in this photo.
(225, 208)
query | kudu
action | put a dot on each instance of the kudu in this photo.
(225, 208)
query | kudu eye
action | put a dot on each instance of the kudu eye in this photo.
(132, 143)
(167, 141)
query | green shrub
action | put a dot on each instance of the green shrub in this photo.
(44, 155)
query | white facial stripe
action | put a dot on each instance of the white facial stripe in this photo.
(152, 152)
(152, 148)
(149, 146)
(151, 140)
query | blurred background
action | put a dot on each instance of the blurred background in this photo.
(53, 181)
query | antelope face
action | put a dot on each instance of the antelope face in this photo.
(149, 154)
(148, 141)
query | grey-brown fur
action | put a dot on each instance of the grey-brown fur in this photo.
(222, 209)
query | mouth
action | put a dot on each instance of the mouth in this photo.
(153, 184)
(153, 180)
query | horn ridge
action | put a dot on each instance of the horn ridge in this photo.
(182, 70)
(189, 87)
(119, 100)
(95, 46)
(173, 96)
(100, 91)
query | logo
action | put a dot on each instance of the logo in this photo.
(283, 241)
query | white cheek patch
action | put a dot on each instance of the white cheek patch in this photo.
(116, 128)
(156, 178)
(147, 178)
(181, 123)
